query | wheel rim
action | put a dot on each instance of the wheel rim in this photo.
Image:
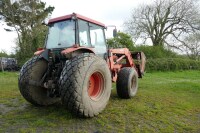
(95, 88)
(133, 83)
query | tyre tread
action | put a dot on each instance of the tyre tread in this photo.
(72, 74)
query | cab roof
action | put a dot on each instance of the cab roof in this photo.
(70, 16)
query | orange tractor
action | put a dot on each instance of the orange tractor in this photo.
(76, 67)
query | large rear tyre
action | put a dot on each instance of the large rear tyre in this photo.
(33, 71)
(85, 85)
(127, 83)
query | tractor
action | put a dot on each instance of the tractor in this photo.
(77, 68)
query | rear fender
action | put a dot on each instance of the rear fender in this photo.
(44, 53)
(69, 52)
(81, 49)
(72, 52)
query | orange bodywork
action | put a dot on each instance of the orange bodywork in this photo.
(68, 50)
(75, 48)
(39, 51)
(119, 58)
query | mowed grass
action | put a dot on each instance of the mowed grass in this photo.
(165, 102)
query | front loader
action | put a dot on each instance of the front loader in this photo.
(76, 67)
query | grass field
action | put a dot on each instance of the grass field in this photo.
(166, 102)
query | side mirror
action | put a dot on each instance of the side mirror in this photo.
(115, 32)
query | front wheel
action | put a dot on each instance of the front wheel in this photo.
(127, 82)
(85, 85)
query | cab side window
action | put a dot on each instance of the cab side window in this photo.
(92, 35)
(84, 38)
(97, 35)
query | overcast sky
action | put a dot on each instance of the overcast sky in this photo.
(109, 12)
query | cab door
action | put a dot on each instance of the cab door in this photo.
(92, 35)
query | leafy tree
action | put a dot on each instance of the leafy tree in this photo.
(3, 54)
(26, 17)
(120, 41)
(164, 21)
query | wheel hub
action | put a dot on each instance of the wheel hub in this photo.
(95, 88)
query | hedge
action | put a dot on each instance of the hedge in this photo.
(153, 52)
(171, 64)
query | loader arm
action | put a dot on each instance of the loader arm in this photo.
(119, 58)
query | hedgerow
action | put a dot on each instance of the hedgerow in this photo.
(171, 64)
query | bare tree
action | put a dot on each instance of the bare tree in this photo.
(164, 21)
(191, 45)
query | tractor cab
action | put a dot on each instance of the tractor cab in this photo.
(75, 31)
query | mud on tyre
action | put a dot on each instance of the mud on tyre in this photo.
(127, 83)
(85, 85)
(33, 71)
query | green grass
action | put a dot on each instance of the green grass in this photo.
(165, 102)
